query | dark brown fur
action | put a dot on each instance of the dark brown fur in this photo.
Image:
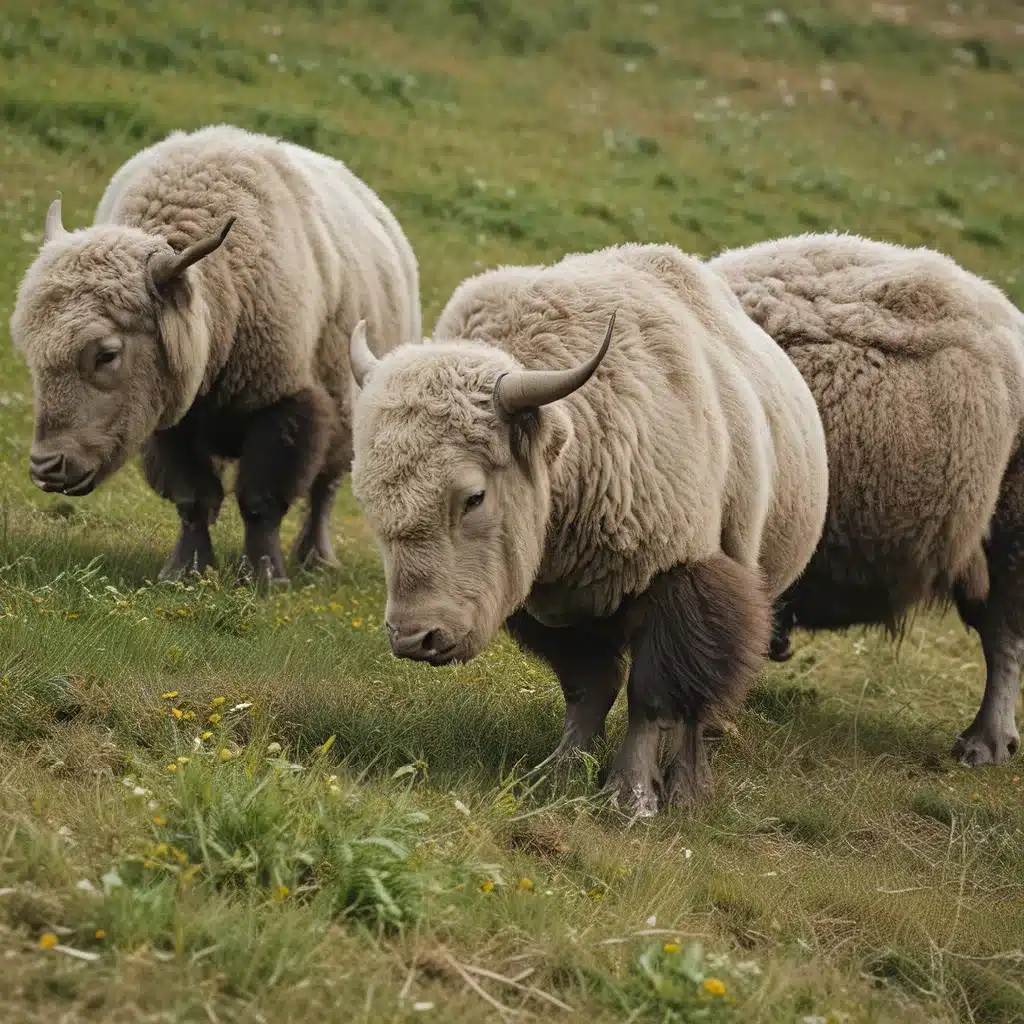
(697, 638)
(281, 451)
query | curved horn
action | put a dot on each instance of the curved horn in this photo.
(360, 357)
(165, 266)
(54, 226)
(530, 389)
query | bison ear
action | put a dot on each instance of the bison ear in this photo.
(555, 433)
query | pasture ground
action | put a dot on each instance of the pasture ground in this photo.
(172, 806)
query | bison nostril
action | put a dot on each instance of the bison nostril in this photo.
(429, 639)
(47, 465)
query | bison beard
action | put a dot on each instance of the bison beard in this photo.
(697, 637)
(280, 450)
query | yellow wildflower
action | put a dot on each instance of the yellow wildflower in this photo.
(188, 716)
(224, 754)
(169, 695)
(177, 712)
(206, 735)
(179, 855)
(214, 718)
(160, 850)
(671, 947)
(526, 883)
(172, 767)
(487, 885)
(47, 940)
(100, 933)
(159, 821)
(357, 623)
(714, 987)
(148, 864)
(71, 616)
(595, 893)
(975, 796)
(217, 701)
(183, 760)
(281, 893)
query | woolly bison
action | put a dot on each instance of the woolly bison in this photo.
(205, 316)
(659, 509)
(917, 367)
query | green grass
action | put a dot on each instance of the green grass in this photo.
(846, 869)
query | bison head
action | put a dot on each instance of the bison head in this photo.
(454, 449)
(116, 337)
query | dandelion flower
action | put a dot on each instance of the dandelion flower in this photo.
(159, 821)
(487, 885)
(71, 616)
(169, 695)
(281, 893)
(526, 883)
(671, 947)
(224, 754)
(206, 735)
(172, 767)
(714, 987)
(100, 933)
(217, 701)
(214, 718)
(357, 623)
(47, 940)
(177, 712)
(188, 716)
(595, 893)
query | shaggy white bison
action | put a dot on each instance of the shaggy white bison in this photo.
(917, 367)
(205, 316)
(659, 509)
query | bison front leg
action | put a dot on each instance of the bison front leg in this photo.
(992, 737)
(179, 473)
(997, 613)
(588, 664)
(700, 634)
(281, 452)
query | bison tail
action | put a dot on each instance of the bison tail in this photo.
(701, 636)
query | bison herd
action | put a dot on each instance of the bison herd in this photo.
(646, 466)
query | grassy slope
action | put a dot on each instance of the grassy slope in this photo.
(844, 854)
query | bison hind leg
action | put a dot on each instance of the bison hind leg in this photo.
(313, 548)
(700, 635)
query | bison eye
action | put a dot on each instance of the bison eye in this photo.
(107, 356)
(476, 498)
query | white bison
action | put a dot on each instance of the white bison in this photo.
(205, 316)
(917, 367)
(657, 510)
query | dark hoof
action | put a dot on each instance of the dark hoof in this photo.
(636, 795)
(315, 554)
(975, 749)
(264, 573)
(181, 565)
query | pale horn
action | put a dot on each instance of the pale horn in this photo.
(166, 267)
(529, 389)
(54, 226)
(361, 359)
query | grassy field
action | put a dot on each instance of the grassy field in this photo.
(218, 807)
